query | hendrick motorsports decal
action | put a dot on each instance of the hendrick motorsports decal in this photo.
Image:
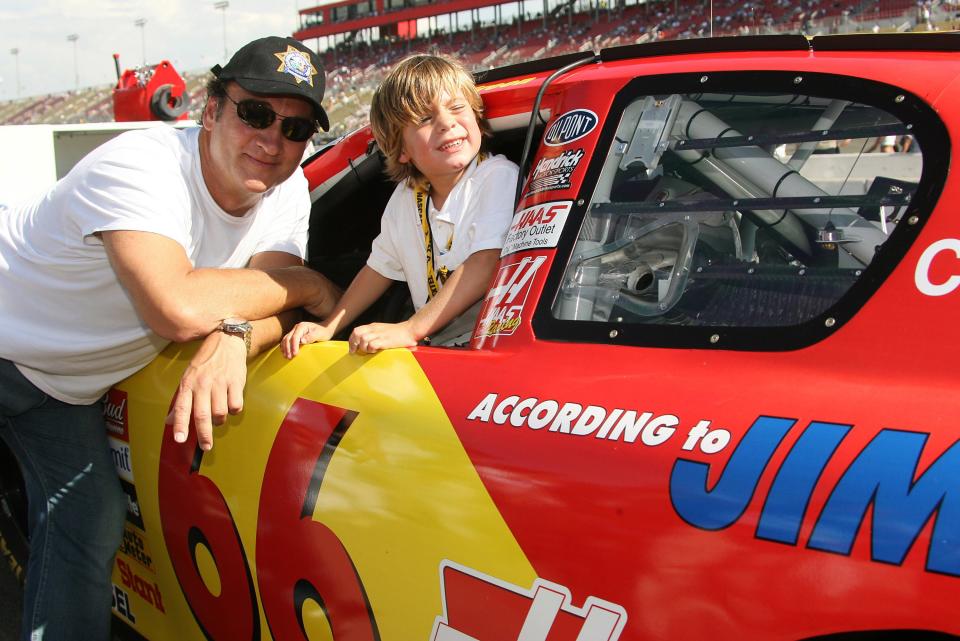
(522, 614)
(554, 172)
(505, 300)
(883, 485)
(571, 126)
(536, 227)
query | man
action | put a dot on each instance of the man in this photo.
(158, 235)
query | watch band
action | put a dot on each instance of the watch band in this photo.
(237, 327)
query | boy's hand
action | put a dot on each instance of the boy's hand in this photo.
(301, 334)
(370, 339)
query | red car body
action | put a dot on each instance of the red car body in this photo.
(664, 457)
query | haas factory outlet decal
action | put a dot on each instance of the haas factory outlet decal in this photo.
(536, 227)
(881, 493)
(524, 615)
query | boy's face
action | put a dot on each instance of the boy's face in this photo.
(444, 142)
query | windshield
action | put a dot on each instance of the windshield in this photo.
(737, 209)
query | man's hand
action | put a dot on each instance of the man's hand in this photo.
(370, 339)
(211, 386)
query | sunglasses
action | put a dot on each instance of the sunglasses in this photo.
(260, 115)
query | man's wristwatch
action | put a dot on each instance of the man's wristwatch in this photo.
(237, 327)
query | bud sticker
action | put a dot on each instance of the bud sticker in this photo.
(571, 126)
(115, 414)
(554, 172)
(536, 227)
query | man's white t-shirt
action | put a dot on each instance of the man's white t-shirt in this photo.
(68, 324)
(475, 216)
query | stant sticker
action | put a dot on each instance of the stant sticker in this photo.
(571, 126)
(536, 227)
(554, 172)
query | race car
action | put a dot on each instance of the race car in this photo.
(711, 393)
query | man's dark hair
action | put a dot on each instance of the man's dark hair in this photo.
(217, 90)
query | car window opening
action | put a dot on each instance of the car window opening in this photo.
(737, 210)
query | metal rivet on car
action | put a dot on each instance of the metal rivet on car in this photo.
(619, 319)
(735, 203)
(909, 127)
(613, 333)
(817, 199)
(699, 269)
(858, 272)
(751, 270)
(913, 220)
(580, 203)
(900, 98)
(798, 80)
(802, 272)
(704, 78)
(830, 322)
(715, 338)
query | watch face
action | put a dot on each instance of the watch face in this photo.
(235, 326)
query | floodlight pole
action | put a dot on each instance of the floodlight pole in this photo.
(76, 69)
(222, 6)
(16, 62)
(141, 22)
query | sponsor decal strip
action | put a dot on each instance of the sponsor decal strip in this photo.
(882, 480)
(536, 227)
(522, 614)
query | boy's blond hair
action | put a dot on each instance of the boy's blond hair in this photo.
(406, 95)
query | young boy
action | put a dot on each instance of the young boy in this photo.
(446, 221)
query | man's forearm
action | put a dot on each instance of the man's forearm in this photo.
(267, 331)
(208, 296)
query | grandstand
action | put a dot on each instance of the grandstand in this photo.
(360, 39)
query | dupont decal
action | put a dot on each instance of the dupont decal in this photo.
(543, 611)
(881, 494)
(505, 300)
(941, 280)
(571, 126)
(536, 227)
(554, 172)
(115, 414)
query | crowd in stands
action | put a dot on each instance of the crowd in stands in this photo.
(355, 67)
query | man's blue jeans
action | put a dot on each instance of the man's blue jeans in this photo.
(76, 510)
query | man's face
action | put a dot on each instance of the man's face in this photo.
(241, 162)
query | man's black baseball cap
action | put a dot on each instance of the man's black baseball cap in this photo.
(279, 66)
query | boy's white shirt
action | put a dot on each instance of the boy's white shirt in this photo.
(476, 214)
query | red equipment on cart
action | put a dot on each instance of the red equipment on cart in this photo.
(154, 92)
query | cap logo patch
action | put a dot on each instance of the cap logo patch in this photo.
(295, 62)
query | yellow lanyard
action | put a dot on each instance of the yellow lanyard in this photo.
(435, 277)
